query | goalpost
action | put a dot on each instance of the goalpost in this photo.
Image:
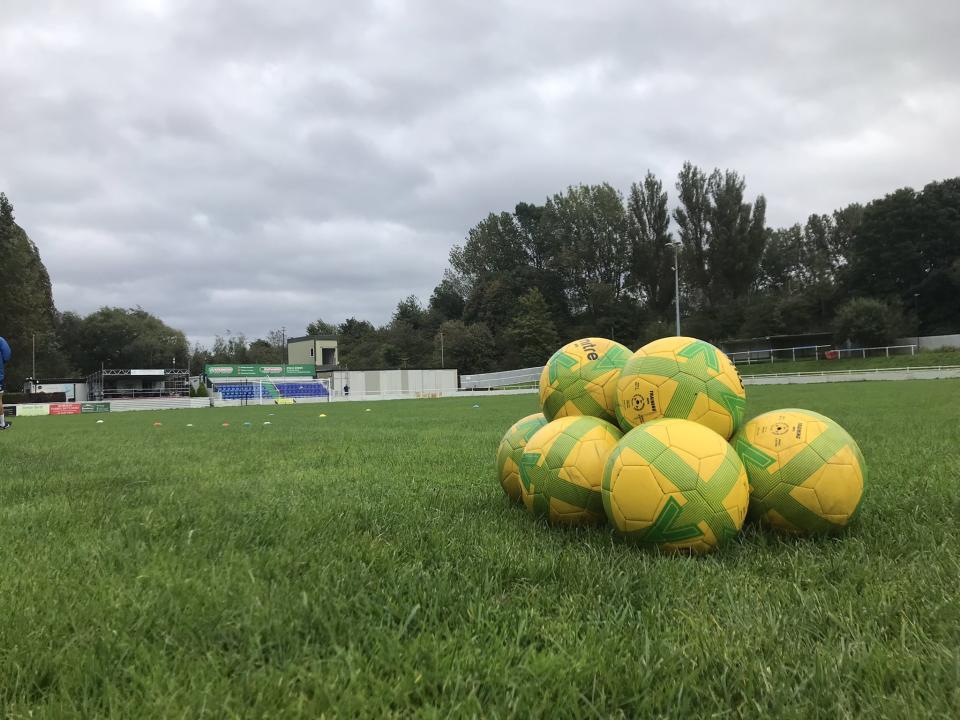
(287, 391)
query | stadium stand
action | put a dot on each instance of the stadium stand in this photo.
(271, 391)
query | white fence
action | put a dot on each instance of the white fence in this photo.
(933, 342)
(768, 355)
(937, 372)
(816, 352)
(159, 404)
(507, 378)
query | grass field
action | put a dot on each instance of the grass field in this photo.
(368, 564)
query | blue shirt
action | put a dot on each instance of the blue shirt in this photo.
(4, 356)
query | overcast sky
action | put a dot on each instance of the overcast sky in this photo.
(243, 165)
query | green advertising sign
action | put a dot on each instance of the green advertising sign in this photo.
(94, 407)
(242, 371)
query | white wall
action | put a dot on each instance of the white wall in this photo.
(393, 383)
(932, 342)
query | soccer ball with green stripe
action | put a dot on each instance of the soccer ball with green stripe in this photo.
(806, 473)
(676, 485)
(581, 379)
(683, 378)
(511, 450)
(562, 467)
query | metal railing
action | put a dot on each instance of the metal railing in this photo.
(507, 378)
(769, 355)
(854, 371)
(883, 351)
(815, 352)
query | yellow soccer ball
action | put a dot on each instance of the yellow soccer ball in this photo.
(676, 485)
(510, 451)
(581, 379)
(683, 378)
(806, 473)
(562, 467)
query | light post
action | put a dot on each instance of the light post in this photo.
(441, 350)
(33, 354)
(676, 278)
(916, 312)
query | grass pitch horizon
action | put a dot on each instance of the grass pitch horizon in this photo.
(369, 564)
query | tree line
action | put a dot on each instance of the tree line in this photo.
(591, 261)
(587, 261)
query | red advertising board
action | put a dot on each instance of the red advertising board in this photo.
(64, 408)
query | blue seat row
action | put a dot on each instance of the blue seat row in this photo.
(295, 390)
(249, 391)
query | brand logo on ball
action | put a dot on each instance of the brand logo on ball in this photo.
(780, 428)
(639, 403)
(590, 349)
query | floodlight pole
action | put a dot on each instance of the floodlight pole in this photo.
(676, 279)
(916, 311)
(441, 350)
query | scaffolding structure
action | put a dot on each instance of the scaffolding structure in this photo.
(108, 384)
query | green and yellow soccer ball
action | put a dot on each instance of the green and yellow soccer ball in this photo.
(562, 467)
(581, 379)
(682, 378)
(675, 485)
(510, 451)
(806, 473)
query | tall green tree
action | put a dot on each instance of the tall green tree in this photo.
(651, 260)
(231, 349)
(589, 227)
(532, 338)
(408, 338)
(28, 317)
(359, 345)
(723, 236)
(736, 238)
(120, 338)
(467, 347)
(868, 322)
(319, 327)
(937, 295)
(692, 216)
(447, 301)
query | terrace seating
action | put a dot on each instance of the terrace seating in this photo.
(245, 391)
(250, 391)
(301, 390)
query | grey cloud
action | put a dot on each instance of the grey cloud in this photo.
(243, 166)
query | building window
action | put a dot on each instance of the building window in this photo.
(312, 352)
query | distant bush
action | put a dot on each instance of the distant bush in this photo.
(868, 322)
(201, 391)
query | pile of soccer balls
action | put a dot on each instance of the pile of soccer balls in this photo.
(654, 443)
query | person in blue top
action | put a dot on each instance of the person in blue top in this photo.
(4, 359)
